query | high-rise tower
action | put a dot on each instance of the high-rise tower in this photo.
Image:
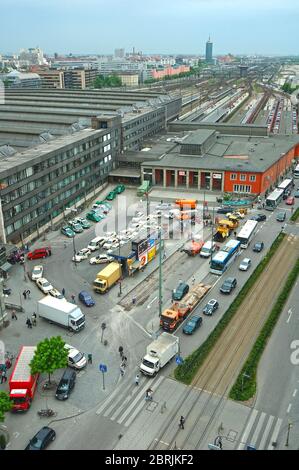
(209, 51)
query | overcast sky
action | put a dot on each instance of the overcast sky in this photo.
(152, 26)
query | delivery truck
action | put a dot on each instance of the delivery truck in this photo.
(22, 384)
(177, 312)
(107, 278)
(61, 312)
(159, 353)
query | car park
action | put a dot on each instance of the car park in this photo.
(39, 253)
(66, 384)
(290, 200)
(211, 307)
(37, 272)
(42, 439)
(258, 246)
(181, 290)
(83, 222)
(280, 217)
(76, 359)
(76, 227)
(44, 285)
(86, 298)
(245, 264)
(55, 293)
(228, 285)
(258, 217)
(101, 259)
(192, 324)
(68, 232)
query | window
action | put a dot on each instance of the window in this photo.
(252, 178)
(233, 176)
(243, 177)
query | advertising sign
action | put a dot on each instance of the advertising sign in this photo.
(143, 259)
(151, 254)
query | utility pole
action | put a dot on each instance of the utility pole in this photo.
(160, 272)
(290, 424)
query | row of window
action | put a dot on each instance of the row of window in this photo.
(144, 119)
(243, 177)
(242, 188)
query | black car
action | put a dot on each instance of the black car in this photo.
(228, 285)
(258, 217)
(258, 246)
(225, 210)
(192, 325)
(41, 439)
(66, 384)
(180, 291)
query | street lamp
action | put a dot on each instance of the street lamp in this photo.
(290, 424)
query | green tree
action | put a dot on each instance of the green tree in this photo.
(50, 355)
(5, 404)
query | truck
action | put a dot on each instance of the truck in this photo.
(61, 312)
(192, 247)
(223, 229)
(22, 384)
(107, 278)
(159, 353)
(178, 311)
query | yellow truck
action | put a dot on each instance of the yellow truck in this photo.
(224, 229)
(107, 278)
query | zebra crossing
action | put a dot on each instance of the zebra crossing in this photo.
(125, 403)
(261, 431)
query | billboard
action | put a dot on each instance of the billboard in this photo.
(143, 259)
(151, 254)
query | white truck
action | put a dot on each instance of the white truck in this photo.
(159, 353)
(61, 312)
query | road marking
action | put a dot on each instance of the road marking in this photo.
(149, 305)
(266, 432)
(275, 434)
(290, 314)
(247, 429)
(289, 407)
(258, 429)
(295, 392)
(108, 399)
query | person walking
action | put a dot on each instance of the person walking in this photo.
(182, 422)
(63, 291)
(13, 315)
(137, 380)
(24, 295)
(73, 298)
(28, 323)
(28, 293)
(122, 370)
(3, 376)
(89, 358)
(33, 319)
(134, 300)
(149, 394)
(121, 351)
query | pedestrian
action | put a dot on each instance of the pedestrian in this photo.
(28, 323)
(235, 233)
(63, 291)
(3, 376)
(33, 319)
(121, 351)
(182, 422)
(73, 298)
(134, 300)
(263, 205)
(164, 255)
(28, 293)
(13, 315)
(24, 294)
(149, 394)
(137, 380)
(193, 280)
(89, 358)
(122, 370)
(49, 252)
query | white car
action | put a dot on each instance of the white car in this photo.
(76, 359)
(44, 285)
(37, 272)
(81, 255)
(245, 264)
(110, 235)
(100, 259)
(55, 293)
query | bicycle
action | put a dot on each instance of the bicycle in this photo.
(46, 413)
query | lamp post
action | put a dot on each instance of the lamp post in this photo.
(290, 424)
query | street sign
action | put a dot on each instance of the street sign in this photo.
(179, 360)
(103, 368)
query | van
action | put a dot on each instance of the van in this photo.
(66, 384)
(96, 243)
(39, 253)
(207, 249)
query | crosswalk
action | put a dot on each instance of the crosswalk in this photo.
(261, 431)
(125, 403)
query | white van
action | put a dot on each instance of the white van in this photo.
(96, 243)
(207, 249)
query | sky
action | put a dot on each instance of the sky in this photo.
(151, 26)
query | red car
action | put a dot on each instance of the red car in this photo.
(39, 253)
(290, 201)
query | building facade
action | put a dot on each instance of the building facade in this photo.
(209, 51)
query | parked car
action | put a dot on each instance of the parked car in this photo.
(37, 272)
(76, 359)
(39, 253)
(211, 307)
(228, 285)
(258, 217)
(83, 222)
(42, 439)
(66, 384)
(110, 196)
(119, 188)
(100, 259)
(290, 201)
(280, 217)
(258, 246)
(225, 210)
(180, 291)
(86, 298)
(55, 293)
(192, 324)
(94, 216)
(68, 232)
(44, 285)
(81, 255)
(245, 264)
(296, 193)
(75, 226)
(105, 203)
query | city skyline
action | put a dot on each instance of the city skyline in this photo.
(263, 27)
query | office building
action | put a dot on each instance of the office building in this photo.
(209, 51)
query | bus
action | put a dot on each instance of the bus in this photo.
(144, 188)
(296, 171)
(274, 199)
(247, 232)
(286, 184)
(221, 260)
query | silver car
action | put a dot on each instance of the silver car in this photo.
(245, 264)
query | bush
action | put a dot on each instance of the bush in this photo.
(295, 215)
(186, 371)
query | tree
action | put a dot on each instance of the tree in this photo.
(5, 404)
(50, 355)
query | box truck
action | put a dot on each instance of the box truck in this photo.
(107, 278)
(159, 353)
(22, 384)
(61, 312)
